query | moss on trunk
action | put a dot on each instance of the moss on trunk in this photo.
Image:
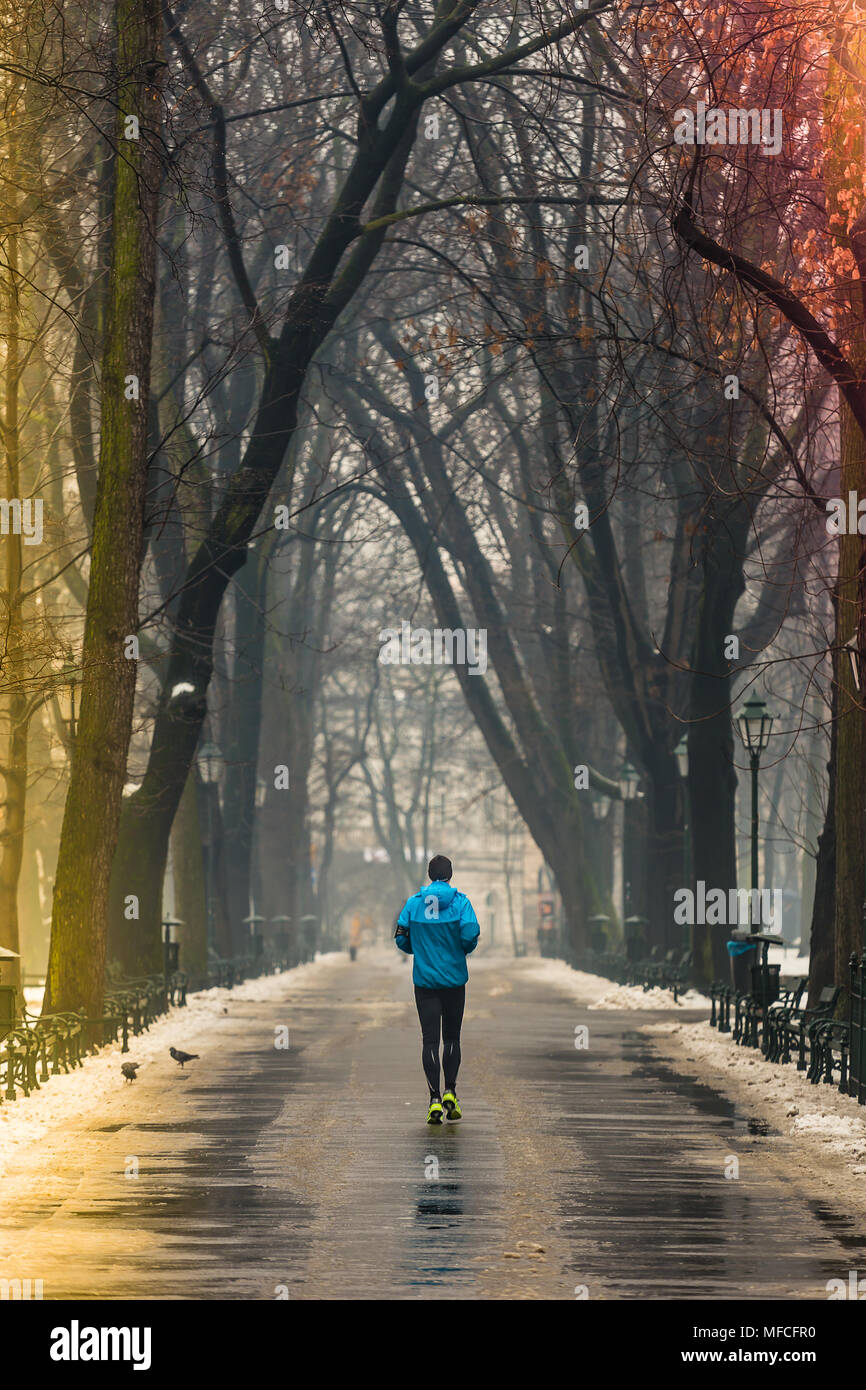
(92, 812)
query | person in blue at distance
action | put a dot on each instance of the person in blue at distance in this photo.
(438, 927)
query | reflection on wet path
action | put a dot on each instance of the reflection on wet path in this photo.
(310, 1173)
(658, 1212)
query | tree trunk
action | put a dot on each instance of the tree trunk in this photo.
(850, 730)
(712, 778)
(242, 742)
(12, 639)
(93, 804)
(314, 306)
(224, 940)
(814, 823)
(664, 852)
(189, 882)
(822, 951)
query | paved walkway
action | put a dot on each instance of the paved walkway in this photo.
(311, 1170)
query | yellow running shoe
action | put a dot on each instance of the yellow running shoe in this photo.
(452, 1106)
(435, 1114)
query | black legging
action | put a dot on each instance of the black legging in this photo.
(445, 1007)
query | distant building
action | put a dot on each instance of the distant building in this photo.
(496, 864)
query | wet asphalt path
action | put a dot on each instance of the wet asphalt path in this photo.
(308, 1173)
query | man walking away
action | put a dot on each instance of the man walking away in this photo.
(439, 928)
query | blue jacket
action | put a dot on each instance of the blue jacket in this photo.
(438, 926)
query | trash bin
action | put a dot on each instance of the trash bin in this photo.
(744, 957)
(634, 936)
(8, 1009)
(597, 931)
(765, 983)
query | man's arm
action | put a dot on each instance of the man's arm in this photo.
(469, 928)
(402, 938)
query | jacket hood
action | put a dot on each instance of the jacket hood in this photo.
(445, 892)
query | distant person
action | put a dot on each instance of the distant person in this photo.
(439, 928)
(354, 936)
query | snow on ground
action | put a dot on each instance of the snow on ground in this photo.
(818, 1116)
(633, 997)
(831, 1127)
(66, 1098)
(604, 994)
(789, 958)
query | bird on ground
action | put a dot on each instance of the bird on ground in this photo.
(183, 1056)
(129, 1069)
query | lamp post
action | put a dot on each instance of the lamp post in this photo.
(255, 870)
(754, 723)
(628, 784)
(283, 923)
(681, 753)
(256, 940)
(853, 651)
(600, 805)
(66, 697)
(208, 758)
(855, 657)
(628, 781)
(170, 948)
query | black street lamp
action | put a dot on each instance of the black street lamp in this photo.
(283, 923)
(754, 723)
(66, 697)
(853, 651)
(600, 805)
(681, 753)
(628, 779)
(170, 949)
(209, 758)
(628, 782)
(856, 659)
(256, 939)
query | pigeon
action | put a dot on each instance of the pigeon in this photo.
(183, 1056)
(129, 1069)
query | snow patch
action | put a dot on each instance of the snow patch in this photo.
(602, 993)
(634, 998)
(67, 1098)
(815, 1115)
(830, 1126)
